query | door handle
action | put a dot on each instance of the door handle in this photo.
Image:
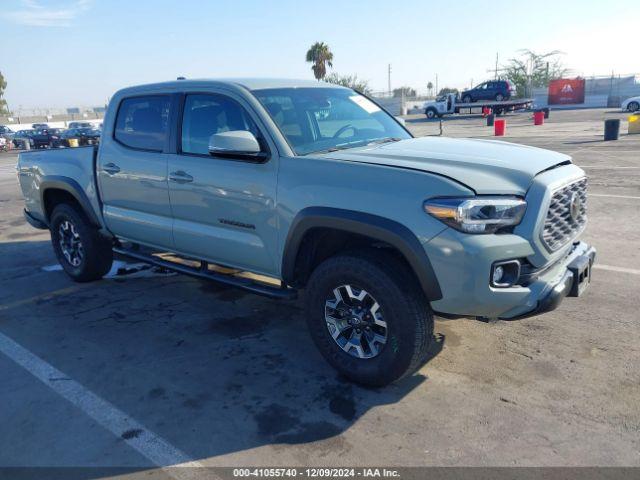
(111, 168)
(180, 177)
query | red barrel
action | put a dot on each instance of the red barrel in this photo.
(538, 118)
(499, 127)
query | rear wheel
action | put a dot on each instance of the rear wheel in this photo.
(633, 106)
(499, 97)
(84, 254)
(431, 113)
(466, 99)
(368, 318)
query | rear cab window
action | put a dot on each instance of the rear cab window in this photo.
(142, 122)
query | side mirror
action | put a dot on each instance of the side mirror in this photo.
(236, 144)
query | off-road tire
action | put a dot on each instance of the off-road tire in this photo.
(403, 305)
(97, 250)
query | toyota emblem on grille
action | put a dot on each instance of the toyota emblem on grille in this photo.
(575, 206)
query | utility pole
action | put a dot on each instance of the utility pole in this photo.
(389, 78)
(496, 69)
(437, 85)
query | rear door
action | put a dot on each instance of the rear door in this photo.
(223, 208)
(132, 171)
(486, 91)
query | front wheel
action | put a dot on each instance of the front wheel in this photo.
(84, 254)
(431, 113)
(367, 316)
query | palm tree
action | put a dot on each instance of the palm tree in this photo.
(430, 88)
(320, 55)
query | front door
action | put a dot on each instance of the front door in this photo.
(482, 91)
(223, 209)
(132, 172)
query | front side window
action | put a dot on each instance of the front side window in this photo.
(207, 114)
(318, 119)
(142, 122)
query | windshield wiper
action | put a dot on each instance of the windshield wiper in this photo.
(347, 145)
(384, 140)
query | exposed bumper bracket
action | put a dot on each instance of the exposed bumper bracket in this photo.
(574, 281)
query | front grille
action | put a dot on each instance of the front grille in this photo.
(567, 215)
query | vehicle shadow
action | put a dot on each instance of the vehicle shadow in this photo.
(211, 369)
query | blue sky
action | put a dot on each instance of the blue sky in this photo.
(60, 53)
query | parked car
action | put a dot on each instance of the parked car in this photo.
(46, 137)
(379, 229)
(492, 90)
(631, 104)
(38, 126)
(85, 136)
(80, 125)
(6, 133)
(23, 137)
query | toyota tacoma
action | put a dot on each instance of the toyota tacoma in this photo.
(280, 186)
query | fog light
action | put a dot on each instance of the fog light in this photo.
(505, 274)
(498, 273)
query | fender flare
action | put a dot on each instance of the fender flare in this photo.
(373, 226)
(69, 185)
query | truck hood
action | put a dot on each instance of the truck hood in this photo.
(485, 166)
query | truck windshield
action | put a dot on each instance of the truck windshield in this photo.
(327, 119)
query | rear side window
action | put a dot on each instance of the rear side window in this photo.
(142, 122)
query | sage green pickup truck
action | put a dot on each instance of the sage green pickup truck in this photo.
(278, 186)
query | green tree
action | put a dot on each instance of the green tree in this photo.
(404, 91)
(349, 81)
(446, 90)
(320, 56)
(3, 102)
(430, 88)
(533, 70)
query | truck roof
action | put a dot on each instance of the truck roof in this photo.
(248, 83)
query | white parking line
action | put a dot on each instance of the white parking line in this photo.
(154, 448)
(612, 196)
(612, 268)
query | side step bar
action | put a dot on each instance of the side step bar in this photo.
(203, 272)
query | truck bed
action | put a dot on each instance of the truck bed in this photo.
(37, 168)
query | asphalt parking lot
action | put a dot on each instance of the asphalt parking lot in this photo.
(227, 378)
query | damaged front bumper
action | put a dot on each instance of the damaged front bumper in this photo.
(574, 281)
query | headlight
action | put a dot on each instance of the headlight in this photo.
(477, 214)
